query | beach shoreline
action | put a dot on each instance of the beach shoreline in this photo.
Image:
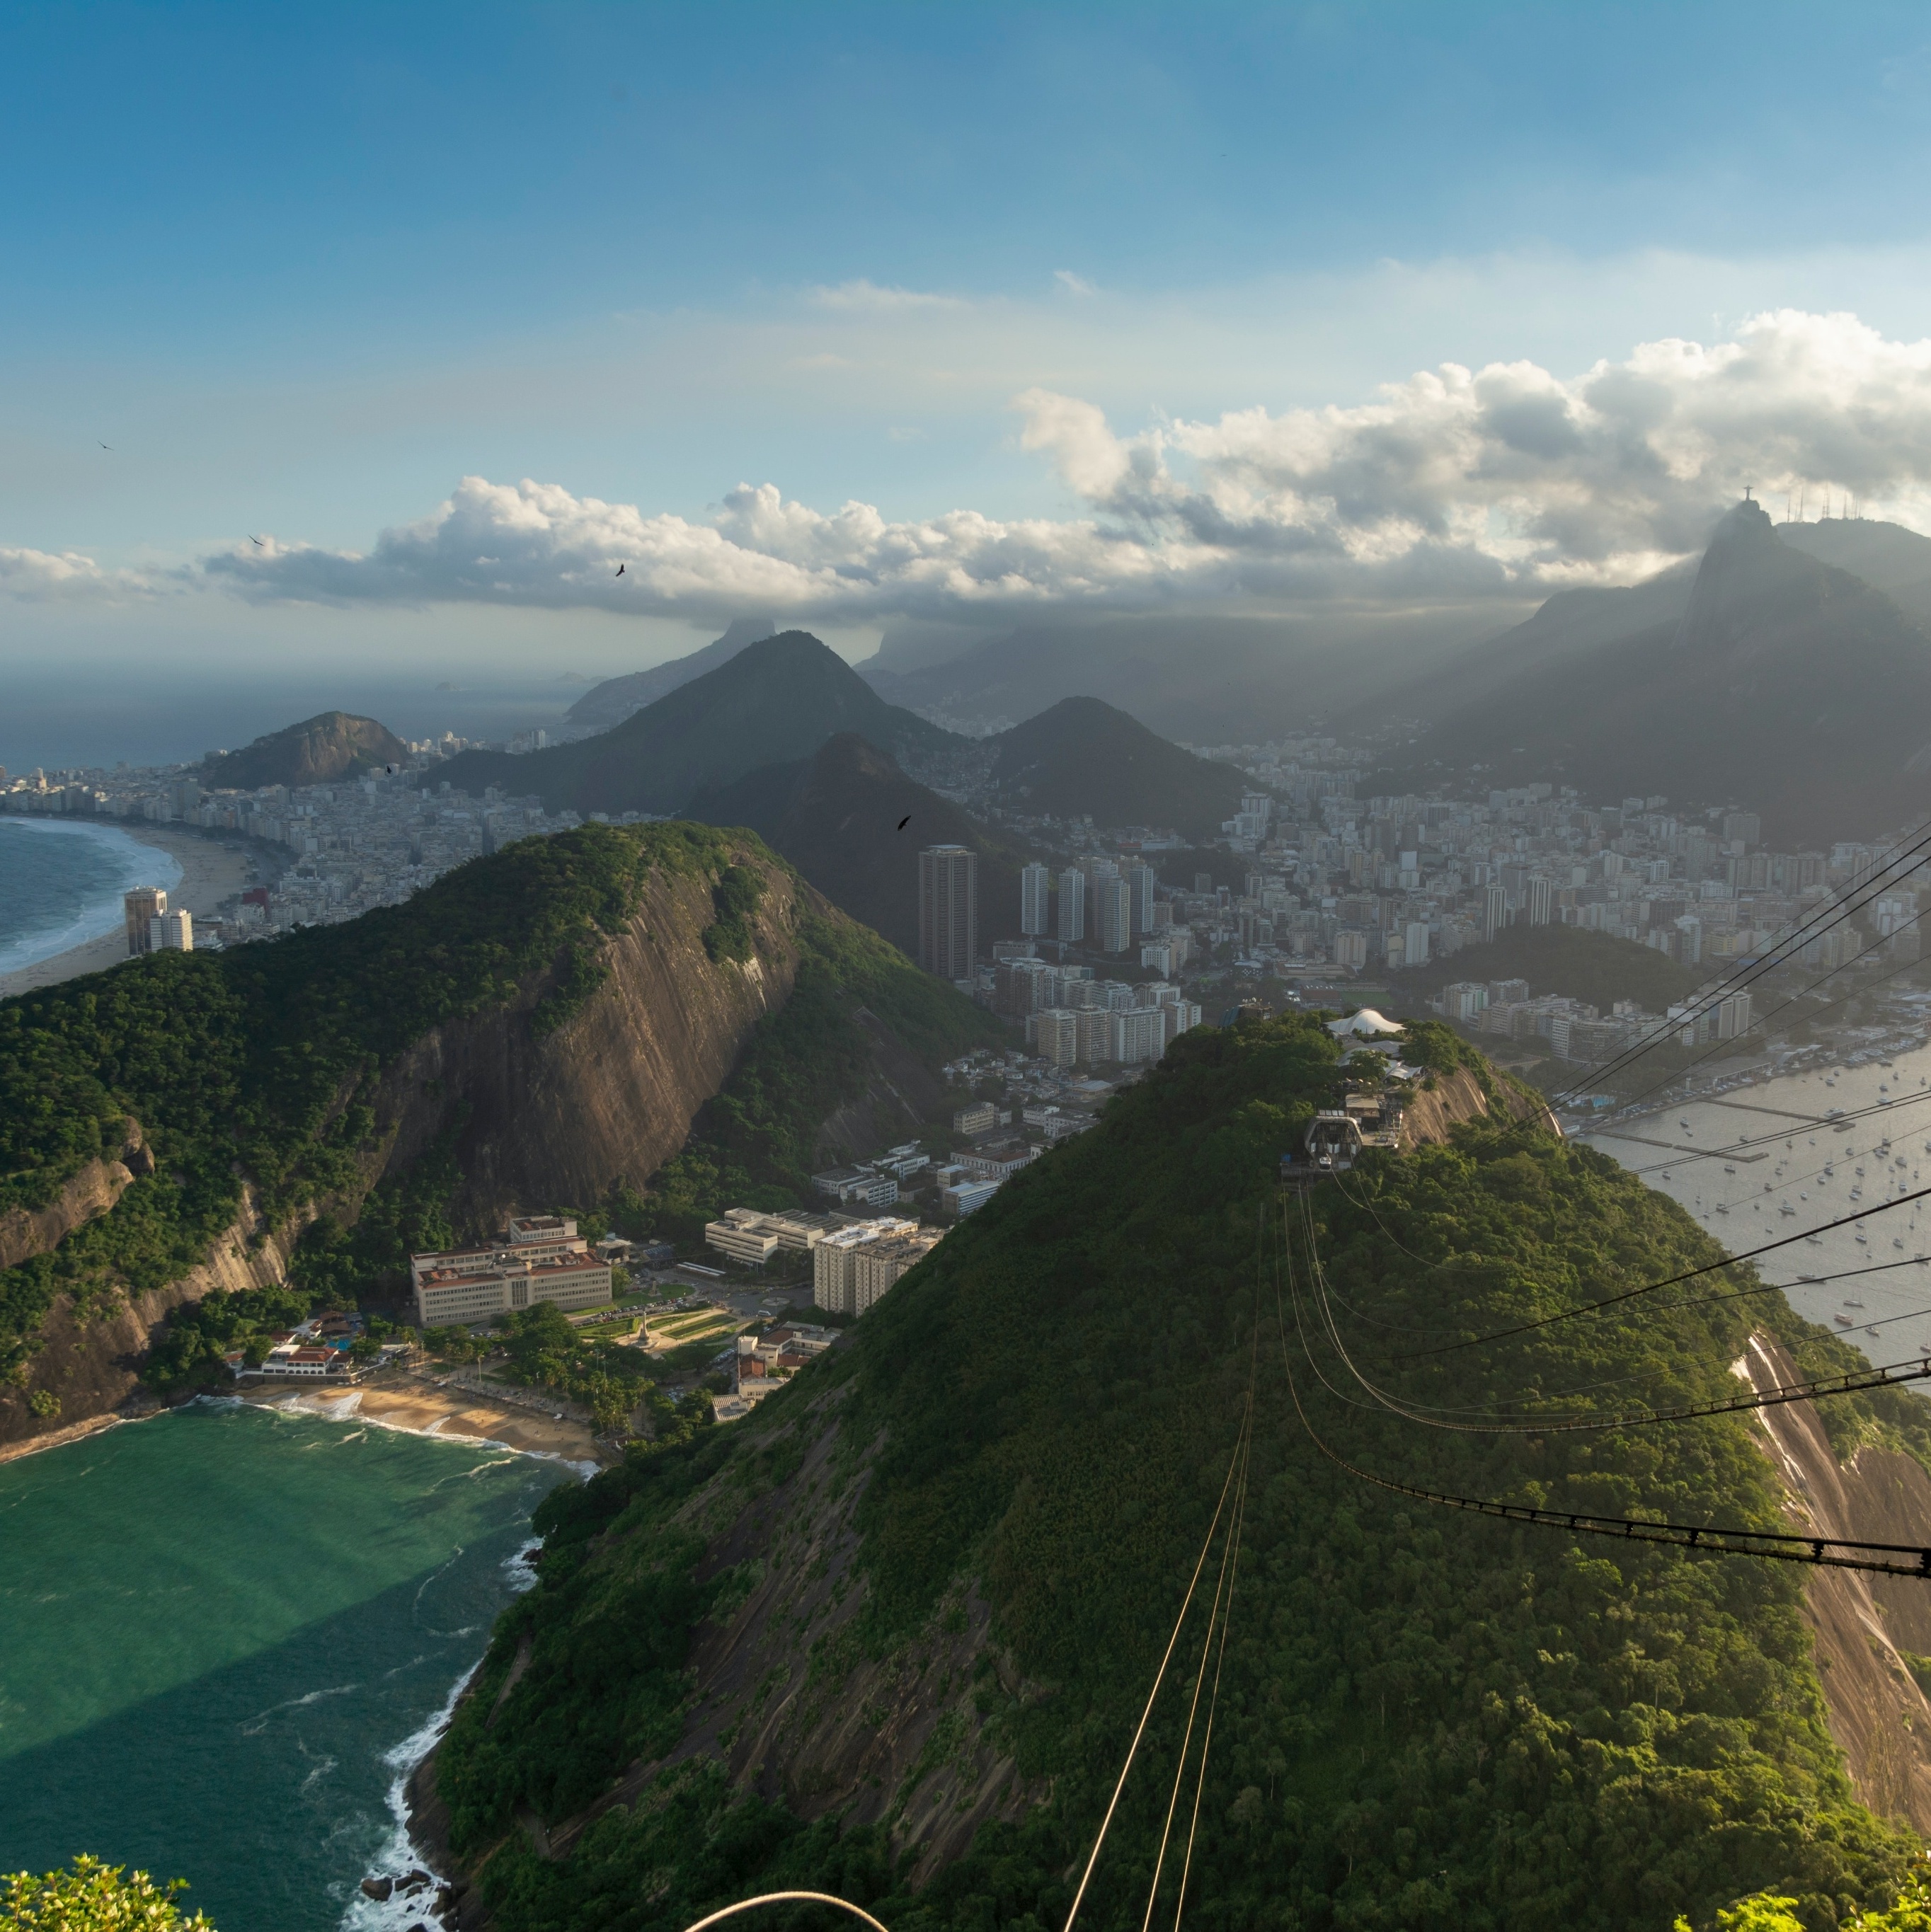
(212, 870)
(415, 1408)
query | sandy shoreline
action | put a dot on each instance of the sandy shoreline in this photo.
(212, 870)
(425, 1409)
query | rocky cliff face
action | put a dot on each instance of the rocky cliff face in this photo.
(545, 1118)
(1862, 1625)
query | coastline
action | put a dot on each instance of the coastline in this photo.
(212, 870)
(426, 1408)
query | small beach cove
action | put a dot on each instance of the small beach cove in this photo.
(228, 1632)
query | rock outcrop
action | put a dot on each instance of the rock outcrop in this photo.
(84, 1197)
(1862, 1624)
(90, 1358)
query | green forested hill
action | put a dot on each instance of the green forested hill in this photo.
(257, 1066)
(1427, 1720)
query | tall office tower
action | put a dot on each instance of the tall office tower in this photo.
(1140, 881)
(1541, 901)
(1113, 908)
(948, 910)
(145, 903)
(1034, 897)
(1072, 904)
(1495, 911)
(171, 932)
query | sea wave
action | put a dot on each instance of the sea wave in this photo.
(399, 1854)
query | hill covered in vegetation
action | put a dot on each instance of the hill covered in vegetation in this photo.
(1596, 968)
(891, 1637)
(316, 752)
(772, 703)
(662, 1014)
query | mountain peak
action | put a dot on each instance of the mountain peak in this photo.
(1745, 576)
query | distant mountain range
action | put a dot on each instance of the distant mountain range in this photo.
(1766, 678)
(772, 703)
(1201, 680)
(316, 751)
(837, 817)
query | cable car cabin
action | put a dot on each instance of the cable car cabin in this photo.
(1337, 1137)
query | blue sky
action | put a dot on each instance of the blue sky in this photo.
(306, 267)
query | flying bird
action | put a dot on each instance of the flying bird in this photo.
(620, 570)
(104, 445)
(905, 821)
(257, 541)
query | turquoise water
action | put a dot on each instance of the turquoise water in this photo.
(61, 884)
(224, 1635)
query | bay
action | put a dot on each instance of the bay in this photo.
(224, 1635)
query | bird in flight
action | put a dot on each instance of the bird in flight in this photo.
(620, 570)
(257, 541)
(104, 445)
(905, 821)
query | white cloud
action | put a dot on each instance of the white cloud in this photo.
(1511, 472)
(1074, 284)
(1506, 480)
(36, 576)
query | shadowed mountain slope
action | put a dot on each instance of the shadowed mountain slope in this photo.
(316, 751)
(772, 703)
(617, 698)
(1082, 756)
(835, 816)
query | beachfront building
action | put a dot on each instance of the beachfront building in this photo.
(541, 1257)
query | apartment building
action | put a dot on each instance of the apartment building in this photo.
(540, 1258)
(852, 1267)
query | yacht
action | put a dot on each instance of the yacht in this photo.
(1729, 1170)
(1843, 1321)
(1786, 1209)
(1861, 1241)
(1815, 1240)
(1849, 1304)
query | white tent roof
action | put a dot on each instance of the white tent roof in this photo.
(1366, 1022)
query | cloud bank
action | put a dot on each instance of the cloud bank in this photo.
(1455, 483)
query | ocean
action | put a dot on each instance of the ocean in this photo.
(61, 885)
(226, 1634)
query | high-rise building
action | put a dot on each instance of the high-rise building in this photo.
(1072, 904)
(1056, 1032)
(142, 906)
(171, 932)
(1139, 882)
(1495, 910)
(948, 910)
(1539, 897)
(1113, 906)
(1035, 894)
(1415, 943)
